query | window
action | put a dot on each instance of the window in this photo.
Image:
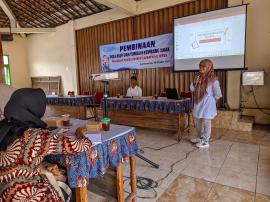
(7, 70)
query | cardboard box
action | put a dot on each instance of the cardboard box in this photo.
(54, 122)
(93, 126)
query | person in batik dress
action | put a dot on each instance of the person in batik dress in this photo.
(24, 142)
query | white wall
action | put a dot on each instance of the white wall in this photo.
(257, 58)
(19, 69)
(54, 54)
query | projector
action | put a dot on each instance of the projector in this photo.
(104, 76)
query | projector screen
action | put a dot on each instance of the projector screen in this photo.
(217, 35)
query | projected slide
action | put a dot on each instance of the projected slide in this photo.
(217, 35)
(214, 38)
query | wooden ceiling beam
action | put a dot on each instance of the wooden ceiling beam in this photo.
(88, 6)
(40, 13)
(28, 24)
(23, 12)
(56, 9)
(56, 2)
(70, 7)
(26, 30)
(96, 5)
(30, 14)
(81, 7)
(49, 13)
(12, 18)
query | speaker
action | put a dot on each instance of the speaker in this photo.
(7, 37)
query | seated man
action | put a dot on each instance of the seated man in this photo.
(134, 89)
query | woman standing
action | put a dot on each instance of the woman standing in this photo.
(207, 92)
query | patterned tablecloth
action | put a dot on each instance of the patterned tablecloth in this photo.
(73, 101)
(164, 105)
(118, 143)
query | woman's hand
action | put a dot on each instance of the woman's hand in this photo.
(80, 132)
(196, 79)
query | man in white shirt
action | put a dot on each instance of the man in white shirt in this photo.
(134, 89)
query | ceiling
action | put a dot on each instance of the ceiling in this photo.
(49, 13)
(4, 21)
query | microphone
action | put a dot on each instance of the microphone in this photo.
(197, 76)
(94, 76)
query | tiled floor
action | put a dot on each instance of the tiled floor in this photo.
(236, 167)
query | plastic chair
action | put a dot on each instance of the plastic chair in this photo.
(93, 107)
(162, 94)
(99, 96)
(85, 93)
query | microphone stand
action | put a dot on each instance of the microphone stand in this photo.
(105, 98)
(147, 161)
(105, 114)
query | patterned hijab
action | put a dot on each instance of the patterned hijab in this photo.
(204, 81)
(24, 110)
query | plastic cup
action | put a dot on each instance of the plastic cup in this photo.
(106, 123)
(66, 119)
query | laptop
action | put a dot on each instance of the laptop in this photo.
(171, 93)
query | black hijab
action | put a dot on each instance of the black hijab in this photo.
(24, 110)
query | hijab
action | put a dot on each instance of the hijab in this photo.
(24, 110)
(205, 80)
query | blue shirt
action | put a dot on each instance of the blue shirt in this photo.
(206, 108)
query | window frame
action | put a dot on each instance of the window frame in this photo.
(7, 74)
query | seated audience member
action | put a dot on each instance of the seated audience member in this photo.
(134, 89)
(24, 142)
(5, 93)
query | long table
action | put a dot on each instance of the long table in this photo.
(150, 113)
(116, 144)
(75, 106)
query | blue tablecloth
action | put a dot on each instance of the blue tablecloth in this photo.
(165, 106)
(73, 101)
(118, 143)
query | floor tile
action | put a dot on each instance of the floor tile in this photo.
(201, 171)
(263, 185)
(186, 189)
(229, 194)
(237, 178)
(262, 198)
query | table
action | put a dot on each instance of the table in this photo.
(118, 143)
(75, 106)
(150, 113)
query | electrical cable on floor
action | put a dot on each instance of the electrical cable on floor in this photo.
(158, 149)
(145, 183)
(149, 184)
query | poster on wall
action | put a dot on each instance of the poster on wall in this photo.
(152, 52)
